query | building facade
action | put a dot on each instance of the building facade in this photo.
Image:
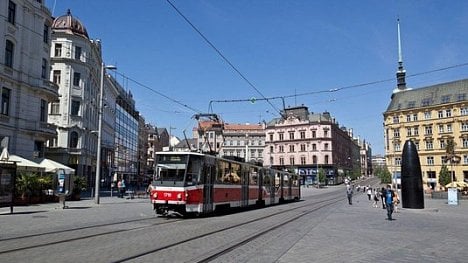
(310, 142)
(26, 90)
(76, 67)
(245, 141)
(430, 117)
(126, 138)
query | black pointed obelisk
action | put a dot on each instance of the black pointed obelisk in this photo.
(411, 178)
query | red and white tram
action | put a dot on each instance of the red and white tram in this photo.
(194, 183)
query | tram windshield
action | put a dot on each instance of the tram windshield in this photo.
(171, 168)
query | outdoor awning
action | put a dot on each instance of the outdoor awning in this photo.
(25, 164)
(457, 184)
(53, 166)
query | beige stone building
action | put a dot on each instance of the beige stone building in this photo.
(430, 117)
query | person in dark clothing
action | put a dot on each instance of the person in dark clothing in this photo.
(382, 197)
(389, 195)
(349, 193)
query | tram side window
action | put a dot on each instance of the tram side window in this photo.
(234, 174)
(222, 168)
(253, 176)
(193, 172)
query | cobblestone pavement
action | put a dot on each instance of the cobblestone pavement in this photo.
(346, 233)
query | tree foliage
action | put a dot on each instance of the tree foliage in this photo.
(444, 176)
(384, 174)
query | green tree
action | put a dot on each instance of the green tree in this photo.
(444, 176)
(384, 174)
(321, 176)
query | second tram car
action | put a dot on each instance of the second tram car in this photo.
(195, 183)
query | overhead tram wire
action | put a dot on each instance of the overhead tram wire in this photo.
(339, 88)
(223, 57)
(159, 93)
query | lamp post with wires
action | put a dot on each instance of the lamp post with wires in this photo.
(98, 164)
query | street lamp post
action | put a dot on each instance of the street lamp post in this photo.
(98, 158)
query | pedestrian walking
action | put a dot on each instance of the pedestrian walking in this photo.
(389, 195)
(369, 192)
(119, 189)
(123, 188)
(376, 198)
(382, 197)
(396, 201)
(349, 193)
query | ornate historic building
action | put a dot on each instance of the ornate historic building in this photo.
(24, 77)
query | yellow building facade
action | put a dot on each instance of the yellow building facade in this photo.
(430, 117)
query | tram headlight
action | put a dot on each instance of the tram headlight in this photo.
(179, 196)
(155, 195)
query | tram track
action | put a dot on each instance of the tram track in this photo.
(46, 236)
(215, 254)
(181, 234)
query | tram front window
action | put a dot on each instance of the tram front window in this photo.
(171, 168)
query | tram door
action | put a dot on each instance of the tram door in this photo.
(245, 187)
(271, 187)
(208, 173)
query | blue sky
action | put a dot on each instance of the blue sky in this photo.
(282, 47)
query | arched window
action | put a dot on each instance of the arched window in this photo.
(73, 139)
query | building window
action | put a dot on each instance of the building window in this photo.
(449, 127)
(303, 160)
(408, 118)
(38, 149)
(398, 161)
(464, 126)
(291, 148)
(425, 102)
(77, 53)
(415, 131)
(6, 94)
(427, 115)
(291, 160)
(396, 147)
(465, 159)
(271, 137)
(441, 128)
(326, 147)
(396, 133)
(415, 117)
(429, 145)
(45, 37)
(303, 148)
(76, 81)
(58, 50)
(291, 135)
(57, 77)
(75, 108)
(281, 136)
(440, 114)
(442, 144)
(281, 161)
(281, 149)
(11, 12)
(9, 51)
(44, 69)
(465, 142)
(396, 119)
(55, 108)
(271, 149)
(302, 134)
(43, 111)
(430, 160)
(448, 113)
(464, 111)
(314, 134)
(325, 134)
(428, 130)
(326, 159)
(408, 131)
(73, 139)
